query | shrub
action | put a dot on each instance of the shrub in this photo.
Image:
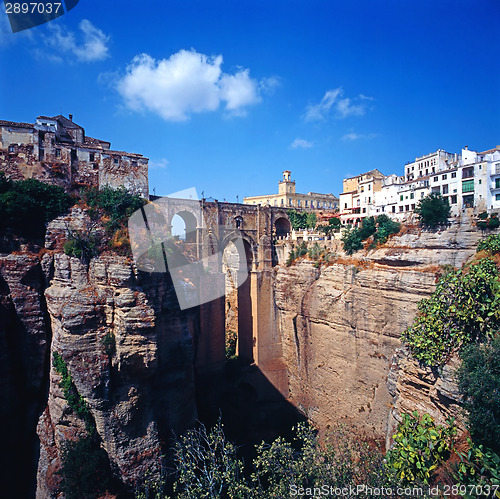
(351, 241)
(82, 244)
(433, 210)
(85, 469)
(75, 401)
(420, 447)
(479, 384)
(491, 243)
(27, 205)
(114, 205)
(207, 465)
(108, 343)
(302, 220)
(231, 342)
(464, 307)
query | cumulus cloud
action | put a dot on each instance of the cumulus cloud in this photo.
(352, 136)
(88, 45)
(334, 101)
(301, 144)
(187, 82)
(158, 164)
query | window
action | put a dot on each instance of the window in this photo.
(468, 172)
(116, 160)
(307, 203)
(468, 186)
(480, 181)
(369, 187)
(453, 174)
(58, 153)
(453, 199)
(369, 200)
(421, 195)
(364, 210)
(345, 205)
(444, 177)
(497, 183)
(412, 207)
(12, 148)
(91, 156)
(298, 202)
(435, 179)
(497, 197)
(412, 195)
(445, 189)
(401, 197)
(394, 209)
(400, 208)
(407, 207)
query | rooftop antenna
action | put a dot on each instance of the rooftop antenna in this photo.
(203, 194)
(237, 198)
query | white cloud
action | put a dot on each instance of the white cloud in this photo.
(333, 100)
(352, 136)
(185, 83)
(158, 164)
(90, 44)
(301, 143)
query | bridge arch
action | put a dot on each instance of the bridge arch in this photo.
(282, 226)
(237, 263)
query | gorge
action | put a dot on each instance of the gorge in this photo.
(327, 345)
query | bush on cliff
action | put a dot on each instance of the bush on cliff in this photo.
(114, 205)
(465, 307)
(381, 228)
(479, 384)
(207, 465)
(27, 205)
(433, 210)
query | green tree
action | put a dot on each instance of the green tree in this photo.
(351, 240)
(479, 383)
(433, 210)
(465, 307)
(420, 446)
(27, 205)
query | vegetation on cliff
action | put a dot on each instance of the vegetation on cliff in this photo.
(27, 205)
(378, 228)
(462, 316)
(433, 210)
(206, 465)
(302, 220)
(111, 209)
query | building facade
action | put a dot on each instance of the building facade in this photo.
(468, 180)
(56, 150)
(288, 198)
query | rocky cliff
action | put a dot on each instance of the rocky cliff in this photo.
(127, 347)
(341, 324)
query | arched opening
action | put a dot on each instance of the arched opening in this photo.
(237, 264)
(282, 227)
(184, 226)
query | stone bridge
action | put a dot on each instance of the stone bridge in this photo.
(211, 230)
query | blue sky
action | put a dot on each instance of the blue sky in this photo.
(225, 95)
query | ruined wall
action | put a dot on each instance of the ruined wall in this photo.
(130, 172)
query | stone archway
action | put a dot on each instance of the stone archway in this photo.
(237, 264)
(190, 225)
(282, 227)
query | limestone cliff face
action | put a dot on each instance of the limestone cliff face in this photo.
(24, 343)
(340, 328)
(139, 388)
(341, 325)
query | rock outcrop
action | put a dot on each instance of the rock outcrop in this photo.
(129, 351)
(341, 327)
(24, 343)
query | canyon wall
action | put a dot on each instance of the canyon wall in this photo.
(341, 323)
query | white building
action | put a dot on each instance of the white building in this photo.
(468, 180)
